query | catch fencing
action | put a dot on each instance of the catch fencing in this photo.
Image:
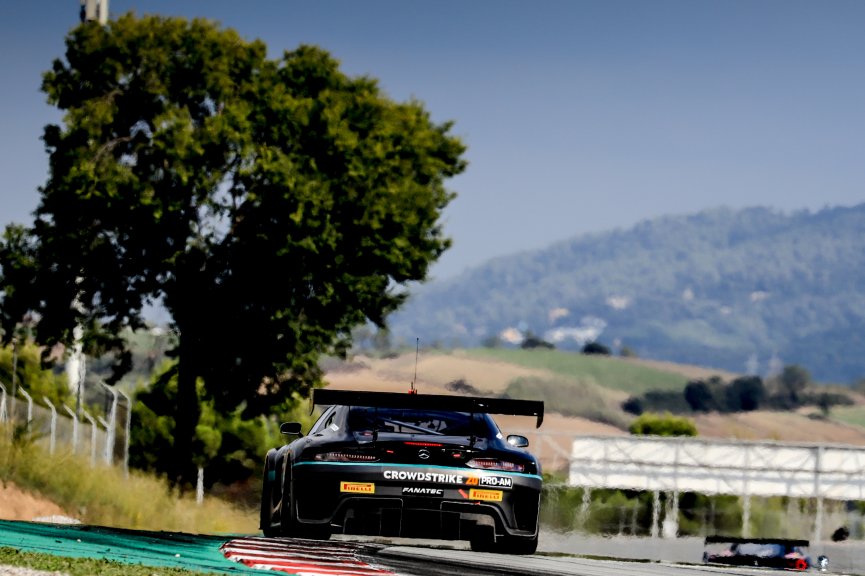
(102, 435)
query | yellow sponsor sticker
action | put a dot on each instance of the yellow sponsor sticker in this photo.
(489, 495)
(357, 487)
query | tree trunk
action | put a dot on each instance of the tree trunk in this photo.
(186, 416)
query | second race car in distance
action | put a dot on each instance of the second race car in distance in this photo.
(762, 552)
(408, 465)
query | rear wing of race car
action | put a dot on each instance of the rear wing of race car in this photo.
(738, 540)
(325, 397)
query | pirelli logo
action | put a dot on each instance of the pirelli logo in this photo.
(357, 487)
(488, 495)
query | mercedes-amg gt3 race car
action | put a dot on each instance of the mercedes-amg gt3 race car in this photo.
(762, 552)
(409, 465)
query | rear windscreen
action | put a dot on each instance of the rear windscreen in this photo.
(404, 421)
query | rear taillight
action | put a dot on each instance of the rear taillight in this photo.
(345, 457)
(495, 464)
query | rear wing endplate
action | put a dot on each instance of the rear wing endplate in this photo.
(325, 397)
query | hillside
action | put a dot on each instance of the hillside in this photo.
(582, 395)
(739, 290)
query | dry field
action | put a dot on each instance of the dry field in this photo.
(436, 370)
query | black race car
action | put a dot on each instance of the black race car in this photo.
(409, 465)
(762, 552)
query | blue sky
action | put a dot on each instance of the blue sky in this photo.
(580, 116)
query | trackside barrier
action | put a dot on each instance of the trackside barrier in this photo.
(45, 422)
(67, 434)
(817, 480)
(740, 468)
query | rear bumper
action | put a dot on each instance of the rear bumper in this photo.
(415, 501)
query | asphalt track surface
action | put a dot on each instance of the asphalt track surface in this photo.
(341, 556)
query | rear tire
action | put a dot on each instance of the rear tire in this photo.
(266, 513)
(289, 526)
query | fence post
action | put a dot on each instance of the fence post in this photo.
(656, 504)
(106, 452)
(29, 406)
(92, 437)
(199, 486)
(3, 416)
(128, 430)
(74, 428)
(53, 439)
(111, 425)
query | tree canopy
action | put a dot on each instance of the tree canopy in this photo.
(270, 205)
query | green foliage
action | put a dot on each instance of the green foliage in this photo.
(612, 511)
(700, 514)
(657, 401)
(791, 384)
(271, 205)
(37, 381)
(596, 348)
(704, 396)
(532, 342)
(745, 394)
(652, 424)
(229, 447)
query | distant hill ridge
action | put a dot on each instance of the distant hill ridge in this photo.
(742, 290)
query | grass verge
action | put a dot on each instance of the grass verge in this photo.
(85, 566)
(104, 496)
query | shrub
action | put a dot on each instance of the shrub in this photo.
(633, 405)
(652, 424)
(596, 348)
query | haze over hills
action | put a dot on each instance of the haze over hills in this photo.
(741, 290)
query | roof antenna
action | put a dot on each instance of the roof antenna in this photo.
(413, 390)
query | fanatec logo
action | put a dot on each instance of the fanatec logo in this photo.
(418, 491)
(423, 454)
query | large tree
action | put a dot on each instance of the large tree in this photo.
(270, 205)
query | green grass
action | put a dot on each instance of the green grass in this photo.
(606, 371)
(103, 496)
(85, 566)
(852, 415)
